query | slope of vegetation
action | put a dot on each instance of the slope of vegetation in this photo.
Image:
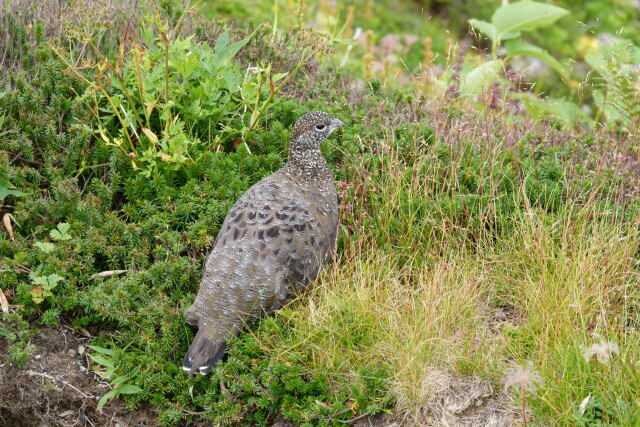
(487, 264)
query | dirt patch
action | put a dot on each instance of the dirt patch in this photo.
(465, 401)
(56, 388)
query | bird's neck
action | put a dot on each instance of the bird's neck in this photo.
(308, 165)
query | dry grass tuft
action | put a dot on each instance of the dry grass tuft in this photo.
(417, 297)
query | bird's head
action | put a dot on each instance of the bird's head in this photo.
(311, 129)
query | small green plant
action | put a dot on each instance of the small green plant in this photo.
(106, 370)
(601, 353)
(617, 94)
(166, 102)
(44, 285)
(19, 352)
(16, 331)
(60, 233)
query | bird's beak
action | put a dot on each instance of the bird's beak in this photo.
(335, 124)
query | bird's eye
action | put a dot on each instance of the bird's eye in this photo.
(320, 126)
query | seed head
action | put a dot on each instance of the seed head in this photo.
(602, 351)
(522, 377)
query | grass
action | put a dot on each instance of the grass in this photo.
(470, 242)
(408, 299)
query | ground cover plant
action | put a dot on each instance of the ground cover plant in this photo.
(487, 266)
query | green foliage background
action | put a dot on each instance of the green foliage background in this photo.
(161, 229)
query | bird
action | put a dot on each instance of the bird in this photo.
(272, 244)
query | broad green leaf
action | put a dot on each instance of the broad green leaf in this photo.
(611, 114)
(525, 16)
(8, 189)
(510, 35)
(519, 47)
(222, 41)
(563, 111)
(128, 389)
(228, 52)
(4, 192)
(103, 400)
(475, 81)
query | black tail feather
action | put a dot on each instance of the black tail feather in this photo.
(203, 354)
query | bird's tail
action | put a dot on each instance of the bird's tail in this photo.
(203, 354)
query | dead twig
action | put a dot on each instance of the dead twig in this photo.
(4, 304)
(6, 220)
(108, 273)
(71, 386)
(337, 414)
(353, 420)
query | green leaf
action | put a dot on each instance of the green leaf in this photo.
(2, 118)
(128, 389)
(519, 47)
(102, 350)
(475, 81)
(565, 112)
(45, 247)
(20, 258)
(611, 114)
(225, 53)
(119, 380)
(7, 189)
(279, 76)
(510, 35)
(37, 294)
(525, 16)
(103, 400)
(37, 279)
(100, 360)
(61, 233)
(52, 281)
(222, 41)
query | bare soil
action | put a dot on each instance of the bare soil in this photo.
(57, 388)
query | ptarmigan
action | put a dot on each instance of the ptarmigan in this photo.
(273, 242)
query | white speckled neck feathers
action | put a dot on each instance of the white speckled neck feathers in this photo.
(308, 165)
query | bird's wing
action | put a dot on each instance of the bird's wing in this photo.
(278, 232)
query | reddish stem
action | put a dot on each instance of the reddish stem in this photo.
(524, 406)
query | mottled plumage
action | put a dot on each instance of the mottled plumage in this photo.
(272, 243)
